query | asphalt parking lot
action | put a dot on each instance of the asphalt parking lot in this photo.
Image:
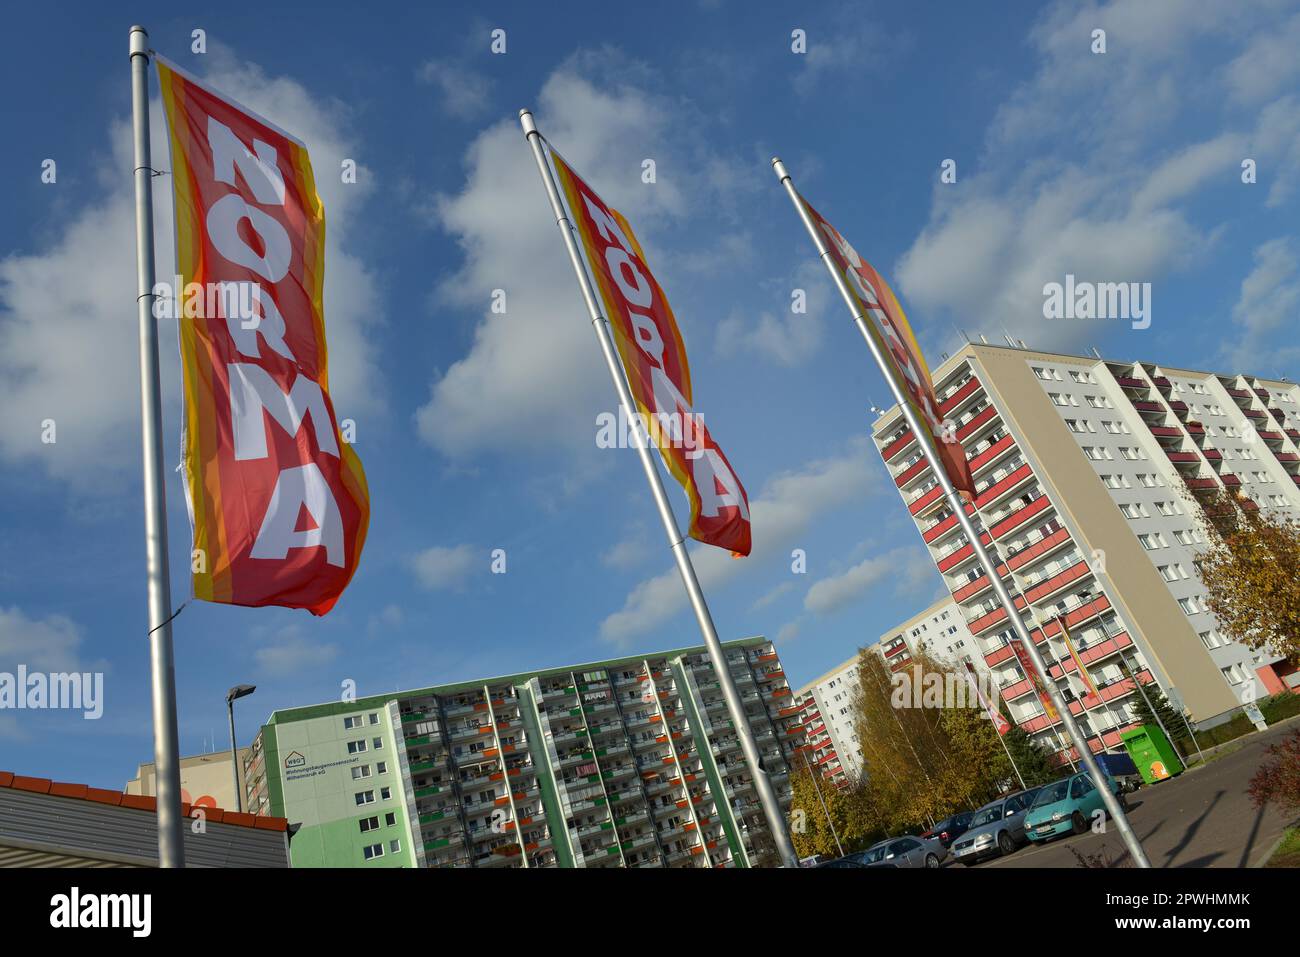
(1202, 818)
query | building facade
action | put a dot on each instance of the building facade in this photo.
(1087, 472)
(207, 780)
(631, 762)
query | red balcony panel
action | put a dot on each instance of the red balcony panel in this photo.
(1255, 413)
(970, 427)
(1195, 428)
(1250, 505)
(1041, 547)
(1190, 457)
(1201, 483)
(1076, 571)
(1020, 516)
(960, 396)
(994, 658)
(1270, 436)
(1287, 456)
(896, 446)
(1294, 434)
(1003, 485)
(991, 453)
(1239, 393)
(1146, 405)
(1166, 431)
(1230, 479)
(1017, 690)
(1161, 381)
(1214, 455)
(940, 528)
(900, 647)
(926, 500)
(1129, 382)
(956, 558)
(987, 620)
(1179, 407)
(1080, 614)
(911, 472)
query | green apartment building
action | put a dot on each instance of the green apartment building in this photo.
(631, 762)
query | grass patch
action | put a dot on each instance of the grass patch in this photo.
(1288, 852)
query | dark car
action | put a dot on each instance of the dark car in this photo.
(841, 862)
(950, 828)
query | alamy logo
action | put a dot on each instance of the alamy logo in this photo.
(1098, 300)
(58, 690)
(73, 910)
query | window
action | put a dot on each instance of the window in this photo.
(381, 767)
(370, 852)
(1132, 454)
(360, 771)
(356, 747)
(1189, 605)
(1167, 573)
(377, 743)
(394, 846)
(1213, 639)
(1115, 428)
(385, 794)
(1132, 510)
(353, 722)
(1080, 425)
(373, 717)
(390, 819)
(369, 824)
(1151, 541)
(365, 797)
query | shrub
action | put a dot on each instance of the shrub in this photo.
(1278, 779)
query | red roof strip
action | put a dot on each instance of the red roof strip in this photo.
(81, 792)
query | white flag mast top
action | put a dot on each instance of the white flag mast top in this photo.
(932, 454)
(568, 229)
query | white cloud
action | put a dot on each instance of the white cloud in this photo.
(463, 92)
(1056, 192)
(905, 568)
(1267, 312)
(785, 337)
(533, 377)
(44, 644)
(630, 552)
(68, 345)
(781, 514)
(291, 651)
(447, 568)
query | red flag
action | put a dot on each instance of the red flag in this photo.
(888, 325)
(654, 358)
(278, 499)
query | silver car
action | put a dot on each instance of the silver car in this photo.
(903, 852)
(996, 829)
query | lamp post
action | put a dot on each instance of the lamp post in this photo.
(238, 691)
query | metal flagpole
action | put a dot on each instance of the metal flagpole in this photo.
(821, 800)
(1137, 681)
(767, 796)
(926, 443)
(166, 751)
(972, 677)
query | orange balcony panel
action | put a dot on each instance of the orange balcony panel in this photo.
(1020, 516)
(1072, 574)
(912, 471)
(992, 452)
(960, 396)
(976, 423)
(1000, 487)
(896, 446)
(994, 658)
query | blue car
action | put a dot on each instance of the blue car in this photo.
(1067, 806)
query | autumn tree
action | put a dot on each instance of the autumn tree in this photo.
(1251, 572)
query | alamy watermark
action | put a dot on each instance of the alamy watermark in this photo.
(675, 430)
(25, 690)
(1073, 299)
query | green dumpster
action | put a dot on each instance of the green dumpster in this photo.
(1151, 751)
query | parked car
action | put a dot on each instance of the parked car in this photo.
(812, 860)
(996, 829)
(1066, 806)
(950, 828)
(904, 852)
(848, 861)
(1122, 769)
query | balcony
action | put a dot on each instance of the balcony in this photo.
(999, 655)
(1051, 586)
(912, 472)
(1110, 692)
(923, 502)
(1231, 480)
(1269, 436)
(1004, 486)
(948, 405)
(1214, 455)
(1020, 516)
(1183, 458)
(972, 588)
(1179, 406)
(1256, 414)
(1017, 689)
(1129, 382)
(1041, 547)
(1097, 651)
(1195, 428)
(1239, 393)
(939, 529)
(982, 623)
(991, 454)
(1079, 614)
(1146, 405)
(982, 418)
(1287, 456)
(896, 446)
(1166, 432)
(1201, 483)
(1161, 382)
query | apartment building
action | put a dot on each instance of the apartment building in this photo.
(631, 762)
(1087, 472)
(830, 737)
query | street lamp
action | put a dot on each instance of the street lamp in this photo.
(238, 691)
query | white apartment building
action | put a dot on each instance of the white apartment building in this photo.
(828, 715)
(1086, 474)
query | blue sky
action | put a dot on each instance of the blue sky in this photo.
(477, 431)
